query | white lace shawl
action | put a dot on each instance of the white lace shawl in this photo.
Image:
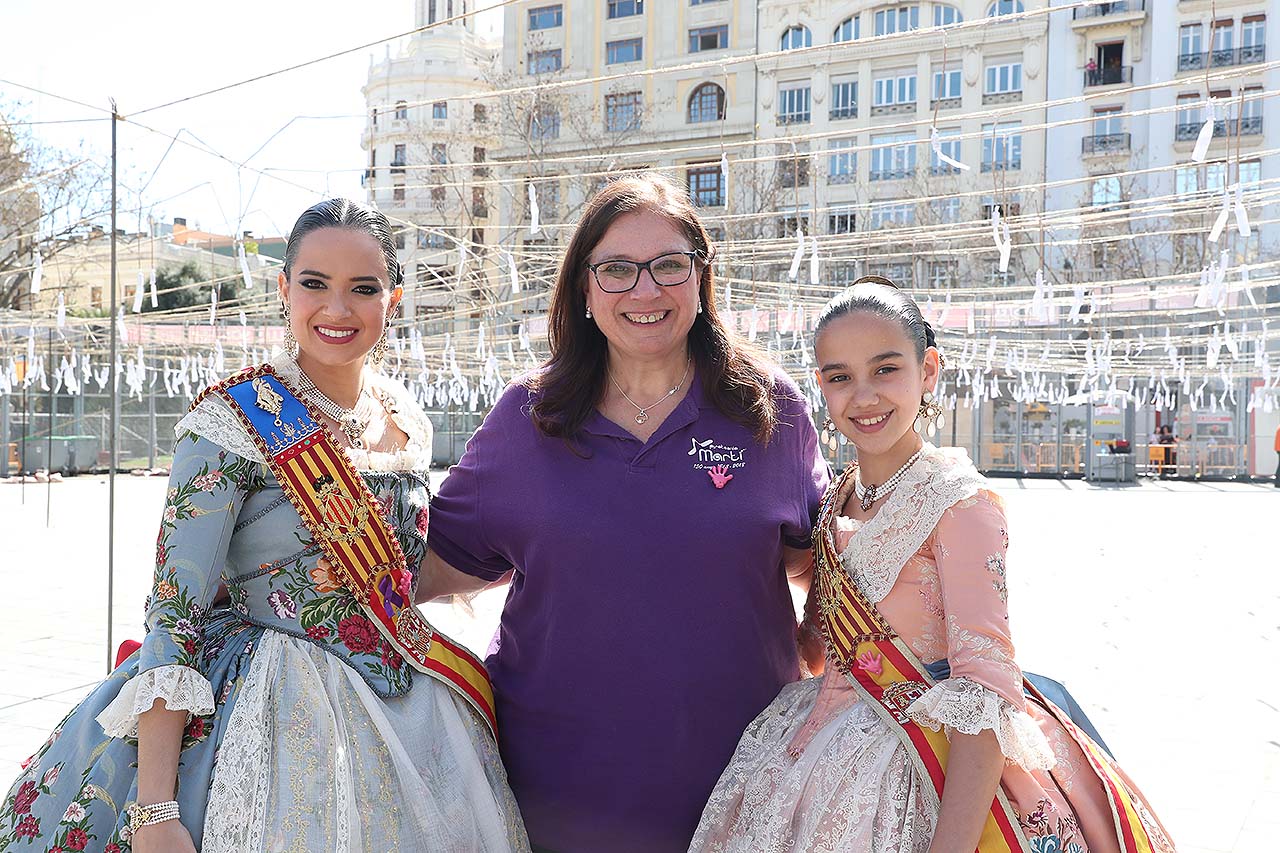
(214, 420)
(875, 557)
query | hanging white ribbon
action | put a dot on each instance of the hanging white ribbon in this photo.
(155, 299)
(799, 254)
(1000, 234)
(62, 312)
(139, 292)
(935, 142)
(213, 304)
(1248, 288)
(121, 329)
(724, 174)
(813, 259)
(513, 270)
(1221, 222)
(1201, 150)
(1242, 215)
(244, 269)
(1040, 305)
(534, 225)
(37, 274)
(728, 296)
(462, 260)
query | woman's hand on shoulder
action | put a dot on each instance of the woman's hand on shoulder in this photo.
(168, 837)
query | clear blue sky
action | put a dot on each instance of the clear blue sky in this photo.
(144, 53)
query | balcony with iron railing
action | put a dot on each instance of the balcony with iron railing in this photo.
(846, 111)
(945, 104)
(1101, 144)
(797, 117)
(1112, 76)
(943, 169)
(1250, 55)
(844, 177)
(1001, 165)
(1102, 10)
(891, 174)
(1247, 126)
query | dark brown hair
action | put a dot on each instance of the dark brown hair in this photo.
(735, 378)
(878, 295)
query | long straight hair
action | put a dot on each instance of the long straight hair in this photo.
(571, 383)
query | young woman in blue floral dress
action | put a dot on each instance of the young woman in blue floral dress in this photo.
(280, 716)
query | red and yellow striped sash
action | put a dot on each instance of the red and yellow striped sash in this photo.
(890, 677)
(342, 515)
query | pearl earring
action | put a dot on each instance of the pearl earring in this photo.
(588, 313)
(699, 307)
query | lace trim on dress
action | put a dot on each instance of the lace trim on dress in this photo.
(214, 420)
(940, 479)
(181, 687)
(963, 705)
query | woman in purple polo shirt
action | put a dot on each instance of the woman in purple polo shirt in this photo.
(648, 492)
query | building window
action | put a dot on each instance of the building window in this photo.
(544, 123)
(479, 113)
(402, 110)
(400, 239)
(1253, 38)
(787, 225)
(1250, 172)
(1186, 180)
(945, 210)
(1190, 116)
(546, 17)
(793, 171)
(844, 99)
(796, 37)
(440, 109)
(1004, 7)
(438, 195)
(894, 90)
(893, 156)
(886, 214)
(1004, 78)
(625, 50)
(950, 146)
(942, 274)
(397, 192)
(842, 161)
(479, 202)
(439, 153)
(841, 220)
(1001, 146)
(793, 104)
(708, 38)
(706, 104)
(945, 16)
(375, 116)
(625, 8)
(1190, 46)
(706, 185)
(997, 278)
(622, 111)
(946, 85)
(398, 159)
(1107, 121)
(899, 20)
(1105, 192)
(544, 61)
(847, 30)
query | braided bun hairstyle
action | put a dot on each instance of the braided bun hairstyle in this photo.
(877, 295)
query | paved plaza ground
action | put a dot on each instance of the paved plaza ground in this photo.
(1158, 604)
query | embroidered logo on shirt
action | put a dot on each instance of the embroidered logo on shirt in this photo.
(718, 460)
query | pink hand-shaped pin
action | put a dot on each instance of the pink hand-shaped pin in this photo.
(869, 662)
(719, 476)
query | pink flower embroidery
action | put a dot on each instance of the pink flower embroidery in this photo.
(422, 521)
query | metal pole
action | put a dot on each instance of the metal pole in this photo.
(48, 454)
(115, 405)
(26, 428)
(151, 416)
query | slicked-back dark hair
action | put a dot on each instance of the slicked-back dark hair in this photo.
(877, 295)
(349, 215)
(734, 376)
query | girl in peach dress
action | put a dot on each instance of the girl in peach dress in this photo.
(916, 535)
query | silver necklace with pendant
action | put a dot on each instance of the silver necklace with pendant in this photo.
(351, 424)
(642, 412)
(868, 495)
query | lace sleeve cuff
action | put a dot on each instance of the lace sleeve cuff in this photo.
(966, 706)
(181, 688)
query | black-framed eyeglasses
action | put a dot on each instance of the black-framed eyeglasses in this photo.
(619, 276)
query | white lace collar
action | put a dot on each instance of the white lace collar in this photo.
(881, 546)
(212, 419)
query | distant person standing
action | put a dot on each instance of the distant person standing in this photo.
(1167, 438)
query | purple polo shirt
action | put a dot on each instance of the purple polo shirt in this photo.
(649, 619)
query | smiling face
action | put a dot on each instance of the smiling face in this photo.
(649, 321)
(339, 296)
(873, 381)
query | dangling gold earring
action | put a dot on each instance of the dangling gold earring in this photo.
(379, 351)
(832, 438)
(291, 346)
(929, 419)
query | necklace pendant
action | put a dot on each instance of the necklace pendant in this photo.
(868, 498)
(642, 418)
